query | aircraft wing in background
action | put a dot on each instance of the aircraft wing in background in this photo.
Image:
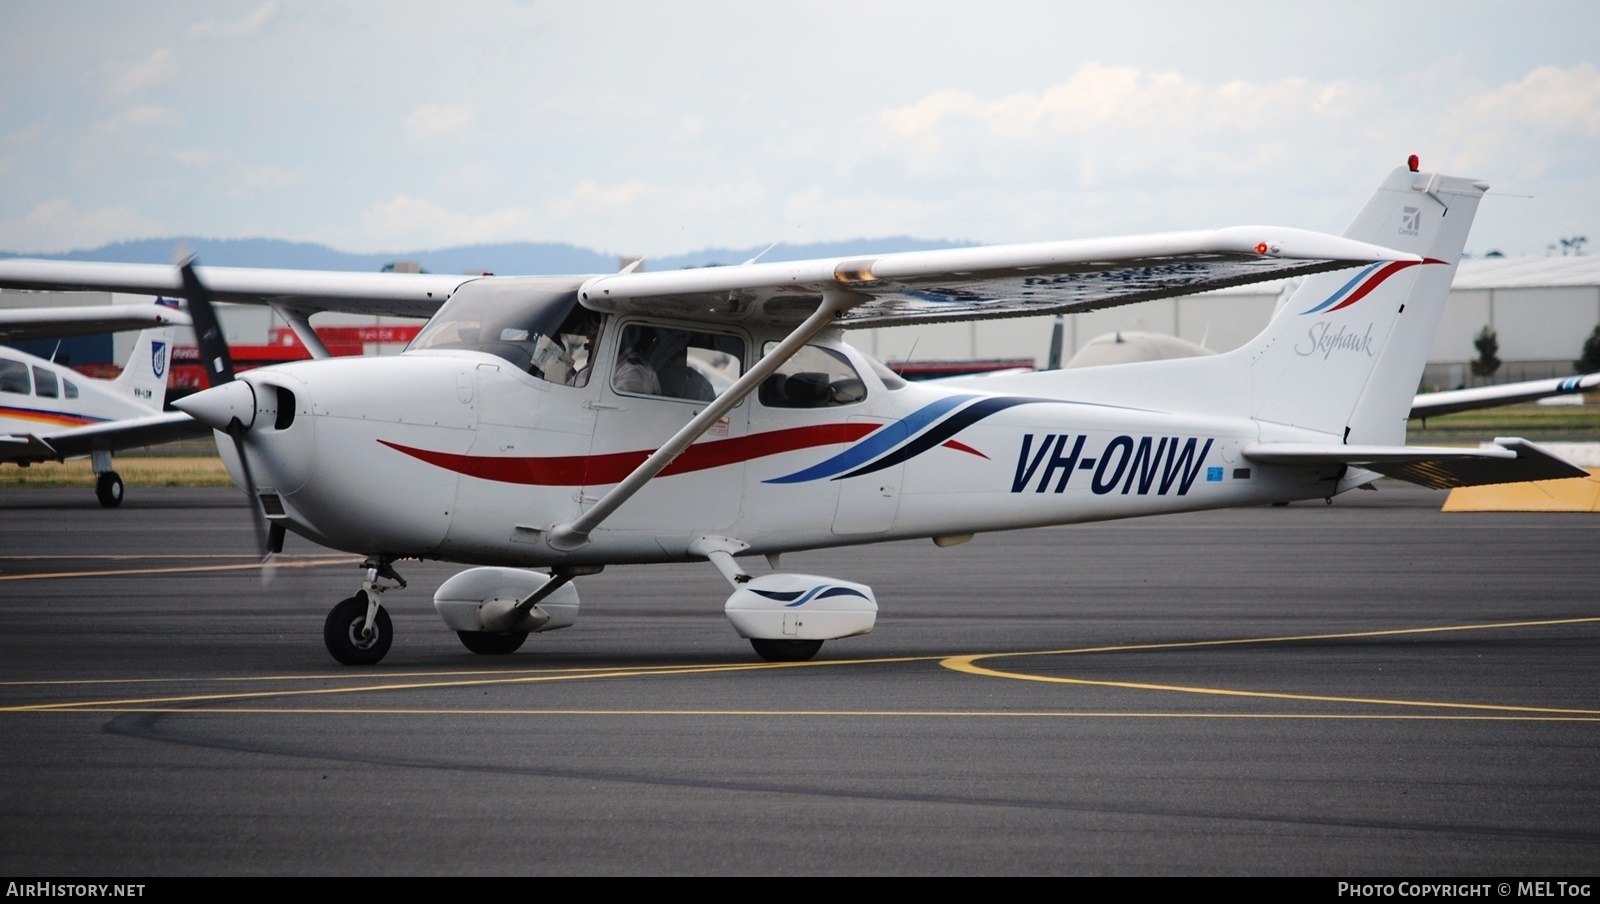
(1433, 404)
(110, 436)
(21, 324)
(398, 294)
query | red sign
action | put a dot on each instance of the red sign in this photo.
(357, 334)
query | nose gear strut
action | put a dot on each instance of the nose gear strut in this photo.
(358, 630)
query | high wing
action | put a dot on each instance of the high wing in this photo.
(1433, 404)
(927, 286)
(905, 288)
(1506, 460)
(19, 324)
(998, 281)
(399, 294)
(111, 436)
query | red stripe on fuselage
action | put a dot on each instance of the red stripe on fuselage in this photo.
(596, 470)
(962, 447)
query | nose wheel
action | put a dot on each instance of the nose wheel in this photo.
(348, 637)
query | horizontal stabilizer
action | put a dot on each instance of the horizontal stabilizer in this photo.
(1506, 460)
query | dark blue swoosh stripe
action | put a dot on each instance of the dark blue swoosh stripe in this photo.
(876, 444)
(950, 427)
(821, 592)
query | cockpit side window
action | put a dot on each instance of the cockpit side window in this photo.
(565, 357)
(14, 377)
(816, 377)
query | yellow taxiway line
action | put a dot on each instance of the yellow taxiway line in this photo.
(966, 664)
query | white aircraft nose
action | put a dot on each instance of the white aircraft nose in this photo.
(220, 406)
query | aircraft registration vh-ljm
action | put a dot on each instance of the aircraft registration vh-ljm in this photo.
(572, 423)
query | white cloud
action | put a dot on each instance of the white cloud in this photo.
(472, 177)
(407, 223)
(437, 120)
(211, 29)
(141, 117)
(1542, 124)
(197, 156)
(57, 225)
(23, 136)
(1108, 122)
(261, 180)
(159, 67)
(1549, 98)
(588, 196)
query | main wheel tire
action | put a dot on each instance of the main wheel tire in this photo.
(342, 632)
(490, 643)
(785, 650)
(108, 489)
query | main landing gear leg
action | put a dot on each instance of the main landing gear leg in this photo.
(358, 631)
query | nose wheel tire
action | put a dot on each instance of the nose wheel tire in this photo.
(785, 650)
(343, 632)
(492, 644)
(108, 489)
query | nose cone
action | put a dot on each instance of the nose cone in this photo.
(220, 406)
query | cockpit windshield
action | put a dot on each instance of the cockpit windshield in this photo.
(536, 324)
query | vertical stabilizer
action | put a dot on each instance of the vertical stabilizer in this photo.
(144, 377)
(1343, 356)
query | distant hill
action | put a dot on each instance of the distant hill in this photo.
(509, 258)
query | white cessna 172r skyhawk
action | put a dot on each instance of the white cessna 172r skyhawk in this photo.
(570, 423)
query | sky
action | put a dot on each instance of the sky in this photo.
(662, 128)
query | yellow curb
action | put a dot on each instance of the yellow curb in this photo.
(1573, 494)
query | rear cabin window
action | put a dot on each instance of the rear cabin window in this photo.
(815, 377)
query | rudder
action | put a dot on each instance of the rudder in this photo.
(1344, 355)
(144, 377)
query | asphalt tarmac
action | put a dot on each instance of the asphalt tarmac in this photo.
(1372, 688)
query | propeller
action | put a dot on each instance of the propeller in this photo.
(229, 412)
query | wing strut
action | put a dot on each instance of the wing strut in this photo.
(300, 322)
(574, 534)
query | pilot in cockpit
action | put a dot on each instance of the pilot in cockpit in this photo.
(635, 371)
